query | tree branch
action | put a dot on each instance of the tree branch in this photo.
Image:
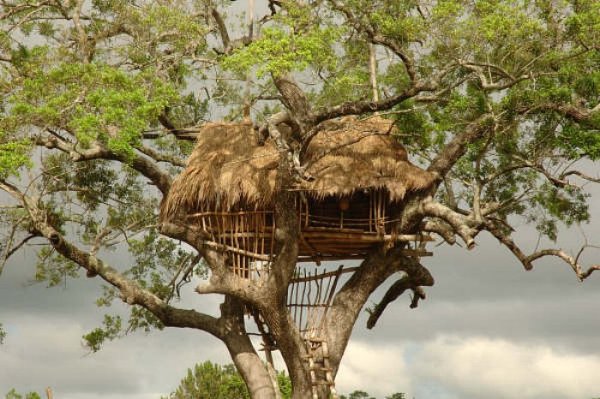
(145, 166)
(350, 299)
(130, 291)
(457, 147)
(222, 28)
(377, 38)
(160, 157)
(581, 175)
(485, 82)
(576, 113)
(441, 229)
(293, 97)
(413, 280)
(361, 107)
(527, 260)
(462, 225)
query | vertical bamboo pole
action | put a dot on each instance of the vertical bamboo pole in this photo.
(318, 309)
(290, 301)
(272, 236)
(328, 371)
(370, 211)
(311, 367)
(243, 239)
(263, 233)
(373, 72)
(301, 327)
(256, 231)
(209, 220)
(306, 221)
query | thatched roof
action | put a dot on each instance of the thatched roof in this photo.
(228, 166)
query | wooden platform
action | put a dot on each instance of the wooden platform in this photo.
(249, 237)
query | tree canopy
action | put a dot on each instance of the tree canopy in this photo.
(498, 99)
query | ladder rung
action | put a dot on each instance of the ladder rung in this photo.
(322, 383)
(317, 368)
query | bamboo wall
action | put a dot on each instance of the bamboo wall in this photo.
(332, 228)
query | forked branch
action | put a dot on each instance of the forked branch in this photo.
(527, 260)
(413, 280)
(462, 225)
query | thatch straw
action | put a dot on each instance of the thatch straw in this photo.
(228, 169)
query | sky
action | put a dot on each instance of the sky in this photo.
(488, 329)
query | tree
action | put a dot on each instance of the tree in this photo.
(12, 394)
(209, 380)
(498, 99)
(358, 395)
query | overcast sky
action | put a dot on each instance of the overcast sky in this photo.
(488, 329)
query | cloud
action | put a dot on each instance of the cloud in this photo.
(480, 367)
(44, 352)
(380, 370)
(49, 353)
(458, 367)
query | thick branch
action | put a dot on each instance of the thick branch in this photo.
(418, 276)
(222, 28)
(293, 97)
(222, 279)
(462, 225)
(245, 358)
(131, 292)
(350, 299)
(441, 229)
(457, 147)
(361, 107)
(578, 114)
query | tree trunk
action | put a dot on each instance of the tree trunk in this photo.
(244, 356)
(250, 366)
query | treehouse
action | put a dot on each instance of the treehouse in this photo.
(360, 178)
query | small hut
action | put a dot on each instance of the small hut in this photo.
(360, 176)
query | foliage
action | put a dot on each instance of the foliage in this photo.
(114, 108)
(210, 380)
(358, 394)
(12, 394)
(2, 334)
(111, 329)
(397, 395)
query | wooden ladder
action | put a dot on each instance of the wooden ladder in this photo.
(319, 367)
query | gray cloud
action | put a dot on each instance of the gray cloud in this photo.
(480, 367)
(469, 367)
